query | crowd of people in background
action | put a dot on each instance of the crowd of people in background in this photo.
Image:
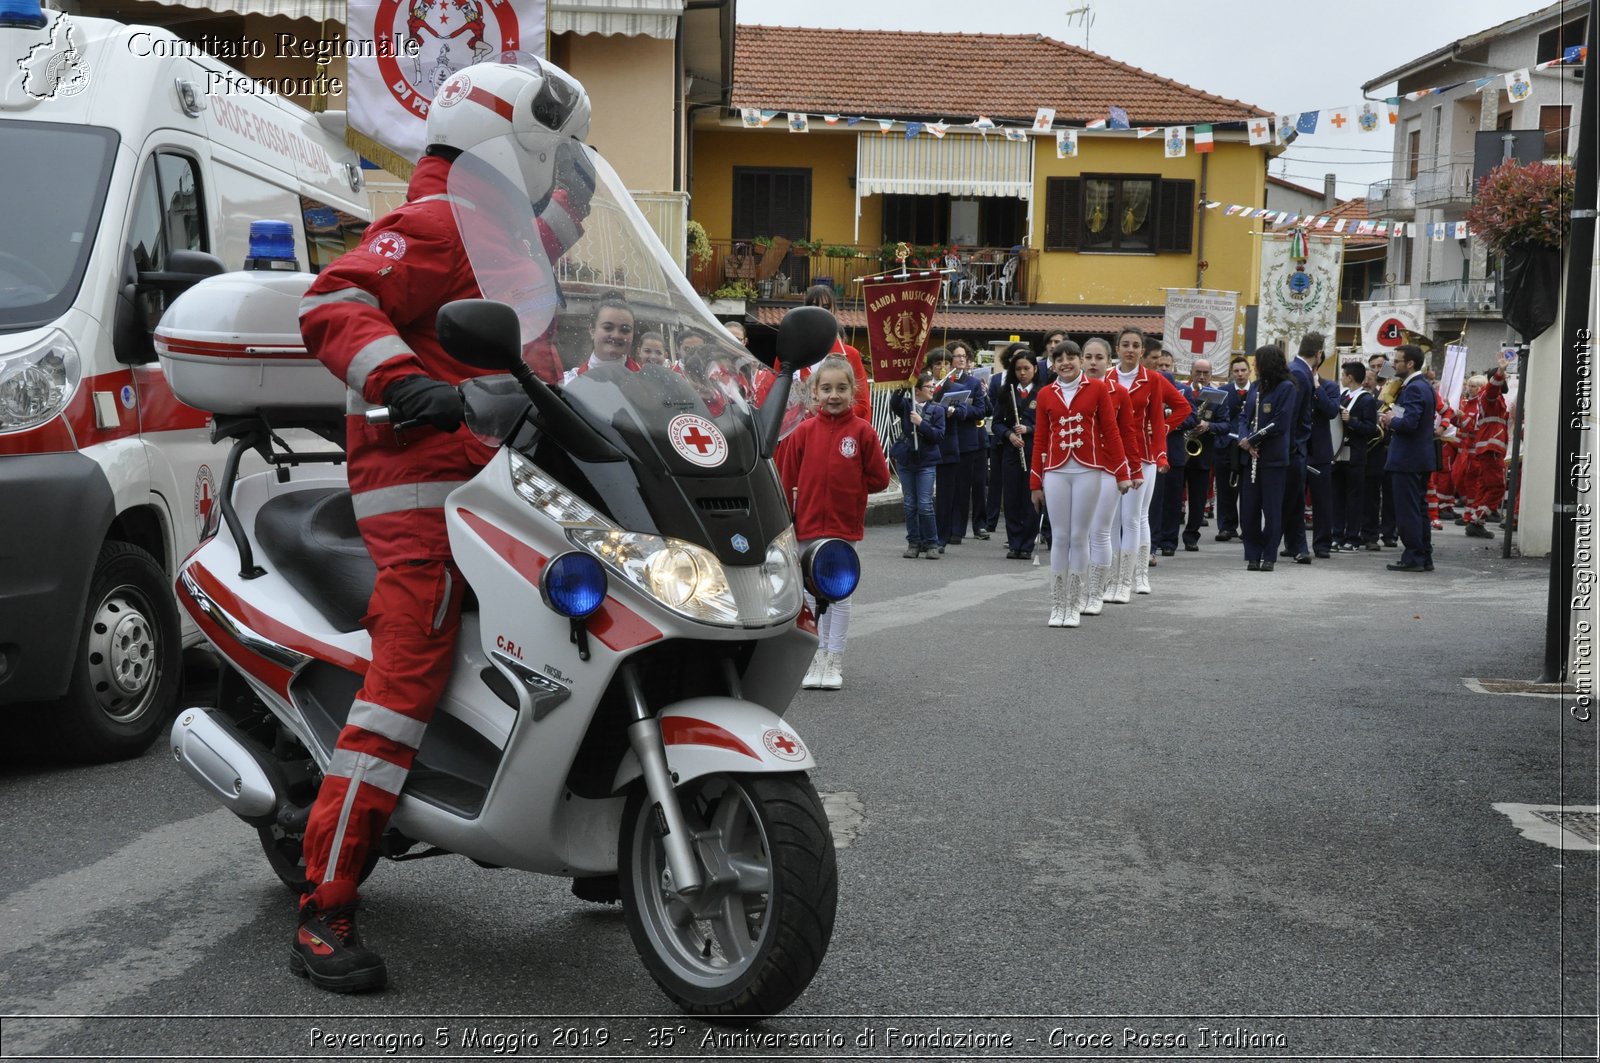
(1101, 455)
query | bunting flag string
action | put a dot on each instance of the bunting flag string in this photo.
(1369, 116)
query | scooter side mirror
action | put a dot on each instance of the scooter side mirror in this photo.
(482, 333)
(805, 336)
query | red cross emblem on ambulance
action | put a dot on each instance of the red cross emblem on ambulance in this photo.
(698, 440)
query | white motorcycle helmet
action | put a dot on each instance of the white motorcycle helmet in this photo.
(530, 116)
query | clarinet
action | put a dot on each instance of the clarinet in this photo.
(1255, 426)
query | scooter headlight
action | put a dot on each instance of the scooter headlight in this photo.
(37, 382)
(691, 581)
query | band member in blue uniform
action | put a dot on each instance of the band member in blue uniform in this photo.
(1309, 402)
(1410, 424)
(962, 412)
(1166, 511)
(1212, 429)
(974, 439)
(1012, 423)
(1227, 453)
(998, 444)
(1358, 420)
(916, 456)
(1265, 430)
(1319, 464)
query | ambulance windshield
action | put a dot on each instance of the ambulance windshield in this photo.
(640, 355)
(55, 188)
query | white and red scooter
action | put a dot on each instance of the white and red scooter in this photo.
(634, 633)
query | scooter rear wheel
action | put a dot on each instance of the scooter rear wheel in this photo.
(754, 936)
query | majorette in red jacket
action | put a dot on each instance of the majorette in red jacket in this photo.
(1086, 431)
(1144, 410)
(369, 317)
(829, 465)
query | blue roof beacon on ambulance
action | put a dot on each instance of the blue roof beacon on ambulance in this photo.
(138, 183)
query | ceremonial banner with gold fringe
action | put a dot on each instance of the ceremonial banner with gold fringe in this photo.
(1299, 287)
(418, 44)
(899, 319)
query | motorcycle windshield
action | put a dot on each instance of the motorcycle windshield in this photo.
(606, 312)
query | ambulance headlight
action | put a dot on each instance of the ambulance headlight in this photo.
(37, 382)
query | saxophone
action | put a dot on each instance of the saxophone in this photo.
(1387, 397)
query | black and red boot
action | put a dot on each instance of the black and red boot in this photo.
(327, 949)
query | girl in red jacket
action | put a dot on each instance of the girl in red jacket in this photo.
(829, 465)
(1077, 457)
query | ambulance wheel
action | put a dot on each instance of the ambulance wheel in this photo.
(125, 681)
(748, 942)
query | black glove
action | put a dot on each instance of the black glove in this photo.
(422, 398)
(575, 173)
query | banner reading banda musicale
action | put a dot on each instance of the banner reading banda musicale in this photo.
(899, 319)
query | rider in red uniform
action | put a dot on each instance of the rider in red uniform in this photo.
(369, 317)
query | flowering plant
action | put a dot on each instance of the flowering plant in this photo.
(1523, 204)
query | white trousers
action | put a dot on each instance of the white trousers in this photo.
(1135, 511)
(1072, 495)
(833, 627)
(1107, 522)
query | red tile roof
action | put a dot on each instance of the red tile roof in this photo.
(975, 323)
(958, 76)
(1352, 211)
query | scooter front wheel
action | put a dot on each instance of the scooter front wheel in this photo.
(750, 939)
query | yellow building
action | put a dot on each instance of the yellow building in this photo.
(1083, 243)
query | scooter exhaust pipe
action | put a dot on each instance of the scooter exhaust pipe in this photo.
(221, 759)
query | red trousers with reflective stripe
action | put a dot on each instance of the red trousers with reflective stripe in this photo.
(1486, 485)
(413, 617)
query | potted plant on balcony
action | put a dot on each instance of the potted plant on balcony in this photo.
(698, 252)
(731, 298)
(1521, 212)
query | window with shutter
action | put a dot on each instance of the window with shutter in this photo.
(1175, 217)
(771, 202)
(1062, 214)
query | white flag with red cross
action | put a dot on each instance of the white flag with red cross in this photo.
(1199, 324)
(418, 45)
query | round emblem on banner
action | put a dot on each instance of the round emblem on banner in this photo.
(1392, 333)
(847, 446)
(422, 43)
(205, 497)
(698, 440)
(783, 744)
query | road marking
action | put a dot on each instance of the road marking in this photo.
(912, 610)
(188, 871)
(1530, 690)
(846, 816)
(1558, 826)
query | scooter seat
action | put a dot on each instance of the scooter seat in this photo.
(312, 539)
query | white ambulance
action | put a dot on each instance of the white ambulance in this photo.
(121, 176)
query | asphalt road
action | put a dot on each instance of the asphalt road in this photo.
(1257, 802)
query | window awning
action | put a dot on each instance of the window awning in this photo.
(956, 165)
(617, 18)
(331, 10)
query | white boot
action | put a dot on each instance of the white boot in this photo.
(1121, 590)
(1141, 571)
(813, 679)
(832, 672)
(1075, 599)
(1094, 590)
(1058, 599)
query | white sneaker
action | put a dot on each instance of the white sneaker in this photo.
(832, 672)
(813, 679)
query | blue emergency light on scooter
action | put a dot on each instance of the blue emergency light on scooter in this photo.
(574, 585)
(23, 14)
(832, 569)
(271, 244)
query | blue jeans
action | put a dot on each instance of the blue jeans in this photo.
(917, 493)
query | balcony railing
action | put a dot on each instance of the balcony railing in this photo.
(1445, 185)
(1462, 297)
(1395, 198)
(843, 267)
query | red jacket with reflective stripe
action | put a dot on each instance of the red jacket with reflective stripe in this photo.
(369, 317)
